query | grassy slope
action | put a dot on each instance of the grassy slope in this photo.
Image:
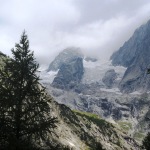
(113, 135)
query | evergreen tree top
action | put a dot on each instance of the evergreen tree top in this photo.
(24, 104)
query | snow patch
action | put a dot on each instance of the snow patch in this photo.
(48, 77)
(95, 71)
(113, 90)
(136, 93)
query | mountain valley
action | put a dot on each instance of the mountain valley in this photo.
(100, 103)
(116, 90)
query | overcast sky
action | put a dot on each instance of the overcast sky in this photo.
(97, 26)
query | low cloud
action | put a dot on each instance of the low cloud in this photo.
(98, 27)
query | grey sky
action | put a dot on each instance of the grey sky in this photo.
(97, 26)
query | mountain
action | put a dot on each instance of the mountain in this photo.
(133, 47)
(134, 55)
(68, 66)
(64, 57)
(109, 78)
(78, 130)
(81, 130)
(114, 90)
(69, 75)
(93, 89)
(90, 69)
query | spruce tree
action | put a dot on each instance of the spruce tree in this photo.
(146, 142)
(24, 104)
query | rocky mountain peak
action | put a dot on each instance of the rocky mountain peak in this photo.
(69, 74)
(133, 47)
(64, 57)
(135, 54)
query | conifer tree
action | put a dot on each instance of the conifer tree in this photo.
(24, 104)
(146, 142)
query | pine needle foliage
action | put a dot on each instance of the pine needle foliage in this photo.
(24, 105)
(146, 142)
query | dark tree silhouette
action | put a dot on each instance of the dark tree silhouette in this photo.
(146, 142)
(24, 104)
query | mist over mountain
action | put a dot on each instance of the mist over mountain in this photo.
(117, 90)
(55, 25)
(94, 59)
(90, 96)
(134, 55)
(65, 57)
(79, 130)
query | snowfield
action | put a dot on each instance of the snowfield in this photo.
(95, 71)
(113, 90)
(47, 77)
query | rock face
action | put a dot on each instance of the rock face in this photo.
(128, 111)
(109, 78)
(80, 130)
(133, 47)
(92, 99)
(69, 74)
(135, 55)
(65, 57)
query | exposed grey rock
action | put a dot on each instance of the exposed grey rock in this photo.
(116, 114)
(65, 57)
(136, 77)
(135, 55)
(78, 130)
(133, 47)
(119, 107)
(109, 78)
(147, 116)
(88, 88)
(107, 108)
(90, 97)
(69, 74)
(57, 92)
(102, 103)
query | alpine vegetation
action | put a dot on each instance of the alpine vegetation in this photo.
(25, 120)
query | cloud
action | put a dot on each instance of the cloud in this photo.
(98, 27)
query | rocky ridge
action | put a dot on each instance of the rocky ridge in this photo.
(127, 111)
(98, 91)
(69, 75)
(135, 54)
(65, 57)
(92, 94)
(79, 131)
(133, 47)
(109, 78)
